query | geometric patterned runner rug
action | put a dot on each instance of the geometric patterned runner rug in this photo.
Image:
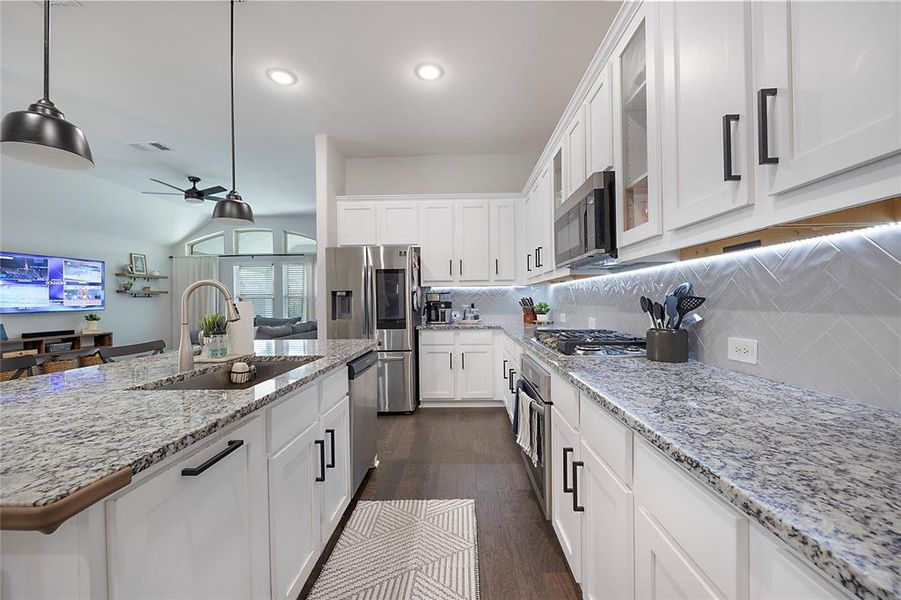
(404, 550)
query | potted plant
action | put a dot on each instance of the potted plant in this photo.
(215, 334)
(541, 310)
(91, 321)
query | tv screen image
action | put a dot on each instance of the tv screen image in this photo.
(39, 283)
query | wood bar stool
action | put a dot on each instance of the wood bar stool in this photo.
(154, 347)
(16, 368)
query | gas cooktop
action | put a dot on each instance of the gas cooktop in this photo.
(590, 342)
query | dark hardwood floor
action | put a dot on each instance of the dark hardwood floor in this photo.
(470, 453)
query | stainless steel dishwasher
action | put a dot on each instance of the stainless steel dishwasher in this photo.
(363, 385)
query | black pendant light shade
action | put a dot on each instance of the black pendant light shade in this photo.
(41, 134)
(233, 209)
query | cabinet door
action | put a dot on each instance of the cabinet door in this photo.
(436, 372)
(503, 240)
(607, 539)
(193, 536)
(566, 448)
(294, 512)
(777, 575)
(398, 222)
(544, 220)
(662, 570)
(636, 135)
(707, 168)
(599, 124)
(437, 243)
(474, 381)
(836, 71)
(471, 245)
(574, 153)
(335, 431)
(530, 238)
(357, 224)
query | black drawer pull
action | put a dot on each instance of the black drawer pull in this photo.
(510, 383)
(321, 444)
(529, 261)
(763, 129)
(331, 434)
(462, 360)
(728, 175)
(195, 471)
(496, 268)
(567, 488)
(504, 369)
(576, 507)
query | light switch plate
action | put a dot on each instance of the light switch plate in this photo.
(592, 324)
(743, 350)
(563, 317)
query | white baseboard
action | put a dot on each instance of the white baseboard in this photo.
(461, 404)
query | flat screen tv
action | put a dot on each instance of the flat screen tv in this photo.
(37, 283)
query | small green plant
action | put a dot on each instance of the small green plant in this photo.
(214, 324)
(542, 308)
(92, 317)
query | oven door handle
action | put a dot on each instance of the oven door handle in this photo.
(567, 488)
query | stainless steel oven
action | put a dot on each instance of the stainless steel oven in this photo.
(538, 381)
(584, 225)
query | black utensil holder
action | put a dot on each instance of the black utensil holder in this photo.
(667, 345)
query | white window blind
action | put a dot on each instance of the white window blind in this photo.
(256, 284)
(294, 285)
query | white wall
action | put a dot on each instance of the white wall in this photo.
(330, 182)
(304, 224)
(438, 174)
(130, 319)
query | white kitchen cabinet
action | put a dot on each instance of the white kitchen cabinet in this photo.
(538, 219)
(776, 574)
(437, 243)
(508, 355)
(607, 535)
(566, 449)
(471, 243)
(436, 372)
(295, 533)
(662, 570)
(636, 130)
(457, 367)
(398, 222)
(833, 70)
(336, 492)
(707, 124)
(177, 535)
(357, 223)
(474, 379)
(502, 240)
(599, 124)
(574, 155)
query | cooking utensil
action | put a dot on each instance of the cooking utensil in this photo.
(686, 305)
(648, 307)
(670, 304)
(681, 290)
(692, 319)
(658, 315)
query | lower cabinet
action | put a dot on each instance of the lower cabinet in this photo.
(456, 366)
(436, 371)
(776, 574)
(566, 506)
(336, 492)
(197, 529)
(474, 380)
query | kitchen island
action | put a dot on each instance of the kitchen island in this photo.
(193, 473)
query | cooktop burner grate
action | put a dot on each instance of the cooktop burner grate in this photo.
(591, 342)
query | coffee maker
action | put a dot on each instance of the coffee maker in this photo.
(438, 308)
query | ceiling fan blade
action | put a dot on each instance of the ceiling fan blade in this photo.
(167, 185)
(212, 190)
(163, 193)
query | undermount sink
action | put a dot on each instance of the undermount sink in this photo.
(218, 379)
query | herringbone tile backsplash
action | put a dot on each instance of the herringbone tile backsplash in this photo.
(826, 312)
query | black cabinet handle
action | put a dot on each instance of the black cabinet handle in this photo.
(195, 471)
(510, 383)
(321, 444)
(496, 269)
(576, 507)
(567, 488)
(461, 266)
(462, 360)
(529, 261)
(450, 357)
(728, 175)
(538, 261)
(763, 129)
(450, 266)
(504, 368)
(331, 434)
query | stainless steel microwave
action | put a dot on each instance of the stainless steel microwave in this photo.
(585, 225)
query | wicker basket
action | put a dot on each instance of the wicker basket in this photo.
(90, 360)
(7, 375)
(55, 366)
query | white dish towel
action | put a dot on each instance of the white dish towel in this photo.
(526, 437)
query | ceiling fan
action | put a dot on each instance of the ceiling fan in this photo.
(192, 194)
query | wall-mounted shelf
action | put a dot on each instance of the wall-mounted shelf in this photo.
(142, 293)
(139, 276)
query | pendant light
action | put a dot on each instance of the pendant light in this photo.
(232, 209)
(41, 134)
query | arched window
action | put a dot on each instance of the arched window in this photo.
(208, 245)
(253, 241)
(297, 243)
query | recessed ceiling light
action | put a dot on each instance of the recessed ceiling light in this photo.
(429, 71)
(281, 76)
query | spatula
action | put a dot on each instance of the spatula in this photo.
(686, 305)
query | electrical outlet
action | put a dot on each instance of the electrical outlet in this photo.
(743, 350)
(563, 317)
(592, 324)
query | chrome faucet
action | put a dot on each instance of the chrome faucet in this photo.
(185, 353)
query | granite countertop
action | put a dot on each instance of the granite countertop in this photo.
(63, 431)
(458, 325)
(820, 472)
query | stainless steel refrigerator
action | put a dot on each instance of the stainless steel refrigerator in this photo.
(374, 293)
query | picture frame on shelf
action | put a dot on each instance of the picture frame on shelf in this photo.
(138, 263)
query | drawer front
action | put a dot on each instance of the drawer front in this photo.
(566, 400)
(713, 535)
(333, 390)
(481, 337)
(295, 414)
(436, 337)
(608, 437)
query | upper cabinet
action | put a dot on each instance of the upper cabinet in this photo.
(369, 223)
(636, 135)
(707, 163)
(599, 124)
(502, 239)
(471, 245)
(574, 155)
(398, 222)
(437, 220)
(357, 224)
(829, 88)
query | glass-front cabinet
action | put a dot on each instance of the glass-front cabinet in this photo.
(636, 139)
